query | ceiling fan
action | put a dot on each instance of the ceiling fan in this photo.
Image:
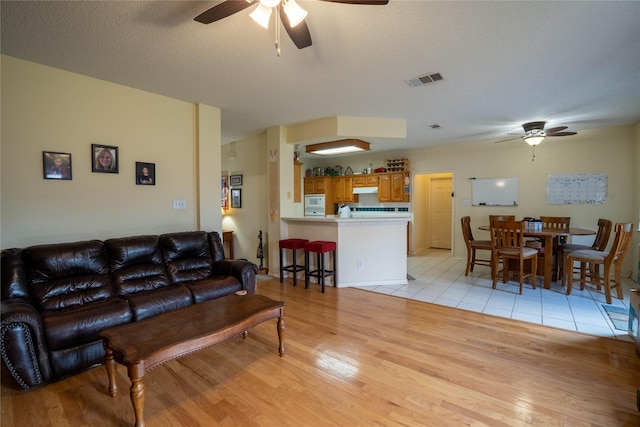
(534, 134)
(291, 15)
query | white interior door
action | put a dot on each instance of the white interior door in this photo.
(440, 212)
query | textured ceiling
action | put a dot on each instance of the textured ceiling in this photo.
(503, 63)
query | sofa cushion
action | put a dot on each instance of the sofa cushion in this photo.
(187, 256)
(136, 264)
(81, 324)
(74, 359)
(14, 281)
(213, 287)
(68, 274)
(151, 303)
(215, 243)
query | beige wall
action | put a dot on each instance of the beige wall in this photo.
(48, 109)
(251, 162)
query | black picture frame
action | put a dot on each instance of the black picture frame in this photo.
(98, 152)
(235, 180)
(145, 173)
(236, 198)
(56, 165)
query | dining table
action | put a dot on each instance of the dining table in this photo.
(549, 235)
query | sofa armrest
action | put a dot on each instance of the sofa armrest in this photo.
(24, 352)
(244, 271)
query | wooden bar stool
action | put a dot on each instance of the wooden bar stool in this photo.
(319, 247)
(293, 244)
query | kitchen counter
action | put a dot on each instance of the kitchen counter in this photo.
(354, 218)
(371, 251)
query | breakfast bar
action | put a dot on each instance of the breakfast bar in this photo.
(370, 251)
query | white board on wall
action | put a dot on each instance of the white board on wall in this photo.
(494, 192)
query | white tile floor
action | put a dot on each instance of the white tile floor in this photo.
(440, 279)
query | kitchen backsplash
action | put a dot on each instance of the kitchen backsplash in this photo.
(370, 206)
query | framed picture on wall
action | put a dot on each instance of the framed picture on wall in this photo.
(235, 180)
(236, 198)
(56, 165)
(145, 173)
(104, 158)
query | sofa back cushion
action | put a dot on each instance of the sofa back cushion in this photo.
(215, 243)
(187, 256)
(68, 274)
(136, 264)
(14, 279)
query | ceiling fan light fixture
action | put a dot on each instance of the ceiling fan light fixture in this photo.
(342, 146)
(270, 3)
(261, 14)
(534, 139)
(294, 12)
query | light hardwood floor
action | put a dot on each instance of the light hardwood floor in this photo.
(358, 358)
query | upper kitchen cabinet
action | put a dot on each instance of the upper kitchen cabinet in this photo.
(392, 187)
(365, 181)
(343, 189)
(316, 184)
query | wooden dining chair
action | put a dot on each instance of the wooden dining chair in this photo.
(507, 243)
(599, 244)
(610, 259)
(501, 218)
(473, 246)
(556, 223)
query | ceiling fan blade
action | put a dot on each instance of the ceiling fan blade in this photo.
(369, 2)
(505, 140)
(562, 133)
(554, 130)
(299, 34)
(222, 10)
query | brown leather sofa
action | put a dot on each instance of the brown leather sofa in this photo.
(56, 298)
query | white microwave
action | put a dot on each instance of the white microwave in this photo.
(314, 205)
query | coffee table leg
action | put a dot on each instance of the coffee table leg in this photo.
(110, 367)
(280, 327)
(136, 372)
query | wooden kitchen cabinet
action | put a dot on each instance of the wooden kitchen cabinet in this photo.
(391, 187)
(365, 181)
(384, 188)
(297, 175)
(316, 184)
(343, 189)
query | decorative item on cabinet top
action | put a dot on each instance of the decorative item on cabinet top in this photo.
(398, 165)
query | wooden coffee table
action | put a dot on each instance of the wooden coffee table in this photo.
(141, 346)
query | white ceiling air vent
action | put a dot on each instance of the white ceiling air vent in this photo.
(424, 80)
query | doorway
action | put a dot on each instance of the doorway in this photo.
(432, 211)
(440, 210)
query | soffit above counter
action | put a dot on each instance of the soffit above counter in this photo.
(329, 128)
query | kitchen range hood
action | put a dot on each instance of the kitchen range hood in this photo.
(365, 190)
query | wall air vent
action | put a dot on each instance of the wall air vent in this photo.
(424, 80)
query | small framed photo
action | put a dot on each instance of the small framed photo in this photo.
(145, 173)
(235, 180)
(236, 198)
(56, 165)
(104, 158)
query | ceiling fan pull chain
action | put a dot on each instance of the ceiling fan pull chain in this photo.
(278, 29)
(533, 159)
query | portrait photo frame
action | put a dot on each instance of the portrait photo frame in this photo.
(235, 180)
(99, 158)
(56, 165)
(236, 198)
(145, 173)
